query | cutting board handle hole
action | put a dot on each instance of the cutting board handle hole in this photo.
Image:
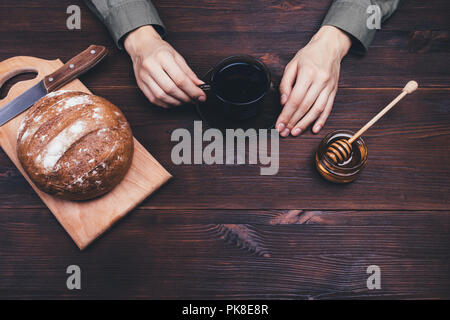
(7, 81)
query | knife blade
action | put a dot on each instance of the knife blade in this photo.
(75, 67)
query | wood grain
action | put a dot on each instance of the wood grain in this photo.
(226, 232)
(75, 67)
(392, 179)
(185, 254)
(414, 43)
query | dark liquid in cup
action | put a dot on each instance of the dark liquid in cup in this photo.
(240, 82)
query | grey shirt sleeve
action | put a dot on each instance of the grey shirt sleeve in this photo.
(123, 16)
(351, 16)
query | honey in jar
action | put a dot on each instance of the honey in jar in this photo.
(344, 172)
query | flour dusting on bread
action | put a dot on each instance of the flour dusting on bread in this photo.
(59, 145)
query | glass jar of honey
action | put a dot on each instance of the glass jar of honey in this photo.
(347, 171)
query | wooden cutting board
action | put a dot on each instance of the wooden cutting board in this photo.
(84, 221)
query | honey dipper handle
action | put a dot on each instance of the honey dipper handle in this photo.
(410, 87)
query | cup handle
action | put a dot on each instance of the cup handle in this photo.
(205, 87)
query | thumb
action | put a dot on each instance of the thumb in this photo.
(184, 66)
(287, 82)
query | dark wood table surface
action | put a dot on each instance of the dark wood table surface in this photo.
(225, 231)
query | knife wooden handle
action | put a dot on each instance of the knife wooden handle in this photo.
(75, 67)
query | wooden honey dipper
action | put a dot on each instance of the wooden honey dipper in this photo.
(340, 150)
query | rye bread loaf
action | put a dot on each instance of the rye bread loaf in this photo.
(74, 145)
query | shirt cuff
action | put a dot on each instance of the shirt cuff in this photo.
(127, 17)
(351, 17)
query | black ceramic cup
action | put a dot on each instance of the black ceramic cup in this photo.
(239, 85)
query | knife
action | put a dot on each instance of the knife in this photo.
(76, 66)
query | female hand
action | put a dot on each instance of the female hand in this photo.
(161, 73)
(310, 82)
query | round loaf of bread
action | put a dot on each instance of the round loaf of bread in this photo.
(74, 145)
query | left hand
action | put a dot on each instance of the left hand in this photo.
(310, 82)
(161, 72)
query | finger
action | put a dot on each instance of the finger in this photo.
(315, 111)
(182, 80)
(160, 94)
(166, 84)
(287, 82)
(325, 114)
(147, 92)
(295, 98)
(185, 67)
(306, 104)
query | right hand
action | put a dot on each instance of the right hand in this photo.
(161, 73)
(310, 82)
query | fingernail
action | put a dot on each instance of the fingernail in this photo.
(296, 131)
(317, 128)
(281, 127)
(202, 98)
(283, 98)
(285, 132)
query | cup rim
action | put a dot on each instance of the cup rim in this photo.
(236, 57)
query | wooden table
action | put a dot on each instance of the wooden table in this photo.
(225, 231)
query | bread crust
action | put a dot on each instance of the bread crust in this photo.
(74, 145)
